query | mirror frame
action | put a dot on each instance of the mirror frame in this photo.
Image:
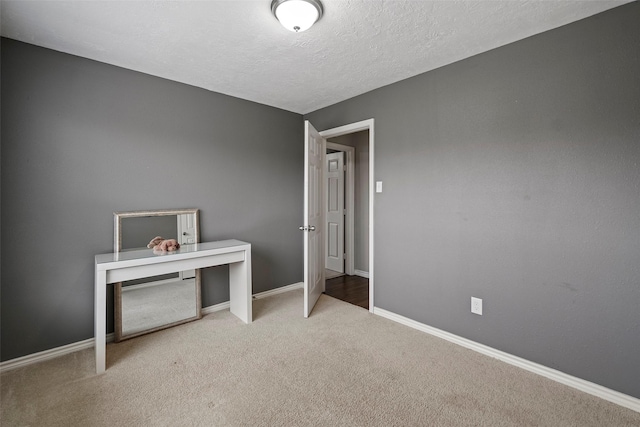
(117, 288)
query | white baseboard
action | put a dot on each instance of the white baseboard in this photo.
(280, 290)
(613, 396)
(361, 273)
(41, 356)
(226, 305)
(89, 343)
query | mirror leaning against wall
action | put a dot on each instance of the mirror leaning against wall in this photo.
(154, 303)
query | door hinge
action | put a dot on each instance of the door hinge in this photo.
(344, 256)
(344, 211)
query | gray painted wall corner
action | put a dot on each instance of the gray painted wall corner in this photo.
(513, 176)
(82, 139)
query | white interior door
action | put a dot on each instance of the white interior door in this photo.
(314, 153)
(334, 242)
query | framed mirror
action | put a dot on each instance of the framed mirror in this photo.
(153, 303)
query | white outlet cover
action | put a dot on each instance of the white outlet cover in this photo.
(476, 305)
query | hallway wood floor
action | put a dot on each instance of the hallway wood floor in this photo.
(351, 289)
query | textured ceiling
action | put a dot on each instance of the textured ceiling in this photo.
(238, 48)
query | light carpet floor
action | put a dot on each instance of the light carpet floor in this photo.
(341, 367)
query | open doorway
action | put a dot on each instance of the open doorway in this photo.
(314, 210)
(347, 191)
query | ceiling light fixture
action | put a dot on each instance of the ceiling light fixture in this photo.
(297, 15)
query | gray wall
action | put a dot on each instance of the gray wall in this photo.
(360, 142)
(81, 139)
(514, 176)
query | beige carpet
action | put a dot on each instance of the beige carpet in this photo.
(341, 367)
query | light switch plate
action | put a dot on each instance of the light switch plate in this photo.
(378, 186)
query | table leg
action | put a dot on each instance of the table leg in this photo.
(100, 321)
(240, 289)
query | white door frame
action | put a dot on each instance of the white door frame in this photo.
(349, 205)
(352, 128)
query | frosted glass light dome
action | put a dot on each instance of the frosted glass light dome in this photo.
(297, 15)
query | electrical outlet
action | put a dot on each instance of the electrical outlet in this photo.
(476, 305)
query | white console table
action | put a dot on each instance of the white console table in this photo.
(136, 264)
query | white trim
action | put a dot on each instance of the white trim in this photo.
(352, 128)
(361, 273)
(214, 308)
(605, 393)
(41, 356)
(225, 305)
(280, 290)
(52, 353)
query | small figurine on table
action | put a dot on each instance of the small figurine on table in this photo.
(160, 245)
